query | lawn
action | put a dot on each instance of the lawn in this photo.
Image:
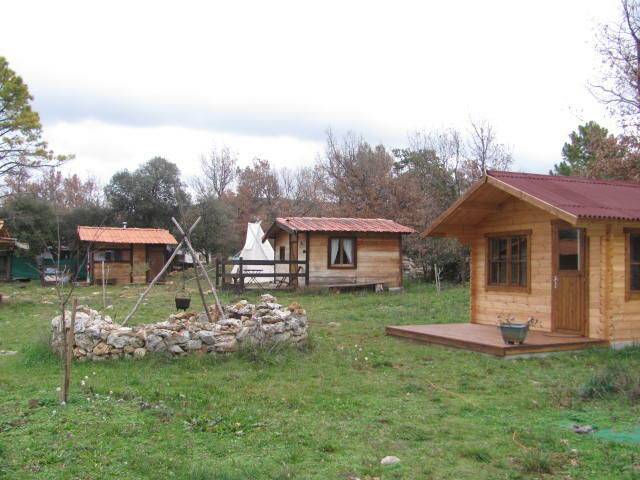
(330, 412)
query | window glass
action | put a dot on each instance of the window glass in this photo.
(569, 249)
(634, 247)
(634, 261)
(109, 256)
(342, 251)
(508, 258)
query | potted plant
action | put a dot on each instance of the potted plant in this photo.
(512, 332)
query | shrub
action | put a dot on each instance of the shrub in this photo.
(536, 461)
(613, 379)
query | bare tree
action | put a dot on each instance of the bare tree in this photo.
(619, 46)
(219, 171)
(484, 152)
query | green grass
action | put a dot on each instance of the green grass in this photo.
(329, 412)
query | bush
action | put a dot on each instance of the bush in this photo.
(613, 379)
(536, 461)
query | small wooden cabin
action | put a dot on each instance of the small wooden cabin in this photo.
(339, 252)
(130, 255)
(7, 247)
(564, 250)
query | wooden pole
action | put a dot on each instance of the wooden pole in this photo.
(202, 297)
(146, 290)
(241, 272)
(185, 238)
(68, 342)
(104, 290)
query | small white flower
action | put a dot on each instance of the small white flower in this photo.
(86, 377)
(366, 359)
(110, 392)
(58, 389)
(82, 383)
(63, 403)
(54, 412)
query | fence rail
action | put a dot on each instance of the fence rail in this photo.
(288, 279)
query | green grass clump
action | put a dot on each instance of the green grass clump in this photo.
(330, 410)
(616, 378)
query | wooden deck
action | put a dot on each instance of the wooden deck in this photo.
(487, 339)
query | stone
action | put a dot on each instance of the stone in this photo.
(268, 298)
(84, 341)
(178, 338)
(152, 342)
(79, 352)
(101, 349)
(139, 353)
(389, 460)
(333, 324)
(175, 349)
(117, 341)
(194, 345)
(128, 349)
(294, 306)
(206, 336)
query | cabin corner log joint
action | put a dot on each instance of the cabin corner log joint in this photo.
(564, 250)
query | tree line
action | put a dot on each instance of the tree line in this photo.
(412, 184)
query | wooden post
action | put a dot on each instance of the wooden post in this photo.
(241, 276)
(307, 261)
(146, 290)
(186, 240)
(202, 297)
(68, 332)
(104, 290)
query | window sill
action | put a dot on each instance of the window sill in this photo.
(506, 288)
(343, 267)
(631, 296)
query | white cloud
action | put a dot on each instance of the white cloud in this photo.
(102, 149)
(117, 82)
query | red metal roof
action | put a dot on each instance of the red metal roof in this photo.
(126, 235)
(327, 224)
(577, 196)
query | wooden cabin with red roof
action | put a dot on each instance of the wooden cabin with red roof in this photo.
(565, 250)
(339, 252)
(130, 255)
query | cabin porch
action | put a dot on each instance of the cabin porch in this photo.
(487, 339)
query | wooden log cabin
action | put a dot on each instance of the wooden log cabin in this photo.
(339, 252)
(130, 255)
(564, 250)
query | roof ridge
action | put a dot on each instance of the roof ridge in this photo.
(562, 178)
(123, 228)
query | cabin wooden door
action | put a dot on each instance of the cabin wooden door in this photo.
(569, 280)
(293, 255)
(155, 260)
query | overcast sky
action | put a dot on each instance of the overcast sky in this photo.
(117, 83)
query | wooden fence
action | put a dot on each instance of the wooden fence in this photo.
(288, 279)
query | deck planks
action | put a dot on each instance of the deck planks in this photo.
(487, 339)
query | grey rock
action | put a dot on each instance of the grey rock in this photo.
(389, 460)
(194, 345)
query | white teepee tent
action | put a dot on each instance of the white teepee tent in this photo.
(255, 249)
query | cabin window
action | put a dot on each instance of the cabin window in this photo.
(112, 256)
(633, 263)
(342, 252)
(283, 255)
(508, 261)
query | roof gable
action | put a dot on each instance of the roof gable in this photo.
(149, 236)
(568, 198)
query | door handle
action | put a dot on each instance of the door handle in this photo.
(555, 281)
